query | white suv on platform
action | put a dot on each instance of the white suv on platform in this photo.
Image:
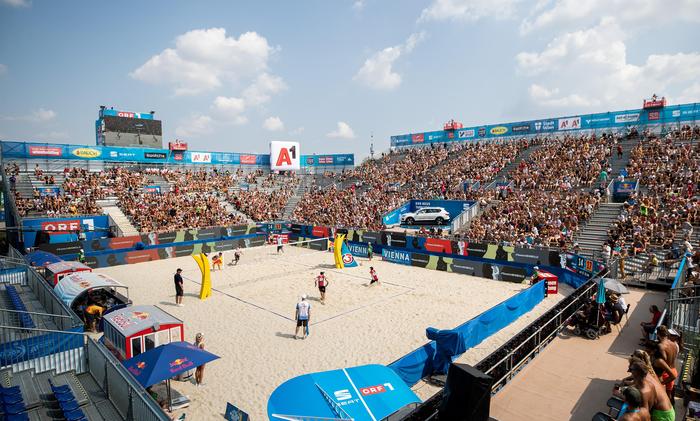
(436, 216)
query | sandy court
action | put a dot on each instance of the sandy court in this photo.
(248, 321)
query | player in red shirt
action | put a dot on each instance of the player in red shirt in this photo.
(322, 283)
(373, 274)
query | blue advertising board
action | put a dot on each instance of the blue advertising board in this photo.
(33, 150)
(396, 256)
(126, 114)
(39, 346)
(624, 188)
(64, 229)
(328, 160)
(49, 191)
(673, 114)
(454, 207)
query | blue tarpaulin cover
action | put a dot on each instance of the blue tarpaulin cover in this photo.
(448, 345)
(41, 258)
(368, 392)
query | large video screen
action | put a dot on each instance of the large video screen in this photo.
(132, 125)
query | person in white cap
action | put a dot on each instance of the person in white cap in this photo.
(302, 316)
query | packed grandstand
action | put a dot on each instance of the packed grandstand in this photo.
(619, 201)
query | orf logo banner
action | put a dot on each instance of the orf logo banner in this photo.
(285, 156)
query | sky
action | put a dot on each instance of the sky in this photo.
(334, 74)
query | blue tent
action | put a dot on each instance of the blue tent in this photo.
(369, 392)
(41, 258)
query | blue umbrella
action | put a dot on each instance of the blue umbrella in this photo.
(600, 297)
(165, 362)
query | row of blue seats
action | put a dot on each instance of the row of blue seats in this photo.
(24, 318)
(69, 405)
(12, 404)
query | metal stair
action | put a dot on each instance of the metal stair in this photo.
(591, 237)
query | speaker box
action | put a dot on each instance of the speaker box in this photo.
(467, 394)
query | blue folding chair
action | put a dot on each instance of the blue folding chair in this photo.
(67, 406)
(12, 390)
(17, 417)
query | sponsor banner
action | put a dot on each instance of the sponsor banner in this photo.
(396, 256)
(627, 118)
(327, 160)
(86, 153)
(624, 188)
(49, 191)
(498, 130)
(63, 230)
(285, 156)
(482, 131)
(248, 159)
(358, 249)
(653, 115)
(571, 123)
(45, 151)
(62, 249)
(545, 125)
(417, 138)
(151, 189)
(521, 128)
(155, 155)
(465, 134)
(200, 157)
(126, 114)
(17, 351)
(435, 137)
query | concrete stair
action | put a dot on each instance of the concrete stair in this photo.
(502, 175)
(294, 199)
(124, 225)
(158, 180)
(232, 209)
(591, 237)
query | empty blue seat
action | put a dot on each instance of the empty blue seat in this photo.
(76, 415)
(67, 406)
(12, 390)
(15, 408)
(17, 417)
(12, 398)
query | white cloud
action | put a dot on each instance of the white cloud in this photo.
(377, 72)
(206, 59)
(3, 69)
(273, 124)
(629, 12)
(358, 4)
(194, 126)
(17, 3)
(229, 110)
(264, 86)
(589, 68)
(42, 114)
(468, 10)
(343, 131)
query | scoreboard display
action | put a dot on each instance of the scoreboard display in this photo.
(127, 129)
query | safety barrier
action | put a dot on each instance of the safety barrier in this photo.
(418, 364)
(128, 396)
(464, 218)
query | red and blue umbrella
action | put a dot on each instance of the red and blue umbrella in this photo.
(166, 361)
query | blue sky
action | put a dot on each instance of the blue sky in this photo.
(233, 75)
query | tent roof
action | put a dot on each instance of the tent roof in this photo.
(133, 319)
(369, 392)
(41, 258)
(65, 266)
(75, 284)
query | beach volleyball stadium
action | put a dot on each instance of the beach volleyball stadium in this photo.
(359, 210)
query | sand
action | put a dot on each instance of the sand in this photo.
(248, 321)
